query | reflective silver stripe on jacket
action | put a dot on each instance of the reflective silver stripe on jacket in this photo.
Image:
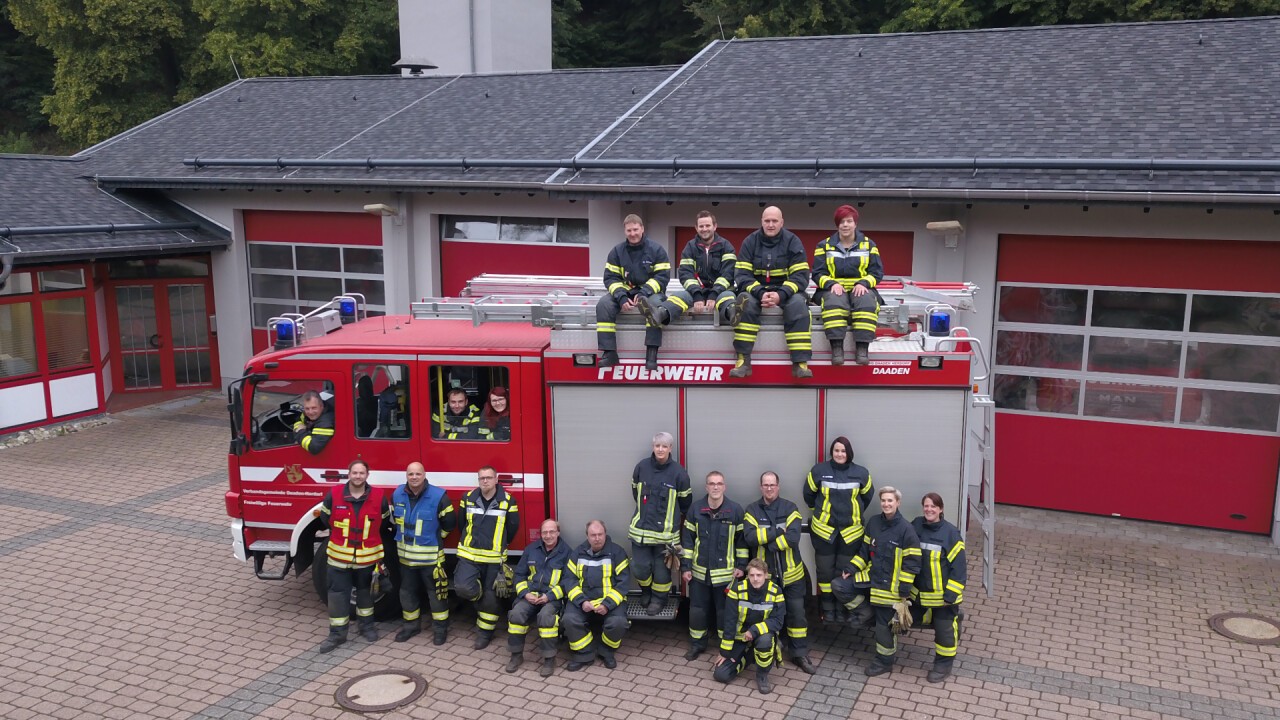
(840, 486)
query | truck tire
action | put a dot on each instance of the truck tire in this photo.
(386, 605)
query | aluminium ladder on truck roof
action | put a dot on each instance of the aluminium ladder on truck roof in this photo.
(563, 301)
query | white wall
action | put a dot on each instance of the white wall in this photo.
(477, 36)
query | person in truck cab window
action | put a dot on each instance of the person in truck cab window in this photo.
(635, 276)
(495, 421)
(315, 428)
(459, 419)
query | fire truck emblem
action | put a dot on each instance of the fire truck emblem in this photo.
(293, 473)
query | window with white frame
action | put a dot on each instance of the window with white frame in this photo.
(297, 278)
(1184, 357)
(570, 231)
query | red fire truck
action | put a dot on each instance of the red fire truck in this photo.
(576, 429)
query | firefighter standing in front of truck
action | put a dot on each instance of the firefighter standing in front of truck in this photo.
(713, 557)
(772, 532)
(490, 519)
(423, 516)
(356, 514)
(314, 429)
(635, 276)
(838, 492)
(772, 270)
(660, 488)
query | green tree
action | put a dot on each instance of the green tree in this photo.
(620, 33)
(26, 76)
(925, 15)
(786, 18)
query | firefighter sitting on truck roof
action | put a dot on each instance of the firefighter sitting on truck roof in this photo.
(356, 513)
(713, 557)
(598, 581)
(314, 429)
(635, 276)
(888, 562)
(772, 533)
(660, 488)
(939, 587)
(773, 271)
(838, 492)
(540, 594)
(459, 421)
(706, 270)
(423, 516)
(846, 269)
(490, 520)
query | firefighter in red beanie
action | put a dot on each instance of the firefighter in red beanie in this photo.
(846, 269)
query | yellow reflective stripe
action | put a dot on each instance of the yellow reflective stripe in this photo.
(615, 287)
(798, 267)
(658, 267)
(743, 265)
(955, 551)
(688, 261)
(653, 284)
(615, 269)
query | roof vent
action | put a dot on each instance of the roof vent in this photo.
(415, 66)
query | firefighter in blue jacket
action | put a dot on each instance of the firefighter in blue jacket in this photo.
(773, 271)
(423, 516)
(939, 587)
(540, 592)
(846, 269)
(635, 276)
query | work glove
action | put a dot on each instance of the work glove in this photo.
(381, 580)
(441, 582)
(671, 556)
(901, 623)
(504, 585)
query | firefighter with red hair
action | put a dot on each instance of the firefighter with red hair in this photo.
(846, 269)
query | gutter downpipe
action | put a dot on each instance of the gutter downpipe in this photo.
(596, 140)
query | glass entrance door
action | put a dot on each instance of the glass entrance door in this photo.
(165, 341)
(189, 335)
(140, 340)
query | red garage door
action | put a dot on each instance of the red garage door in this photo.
(1139, 377)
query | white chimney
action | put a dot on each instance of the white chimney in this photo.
(461, 37)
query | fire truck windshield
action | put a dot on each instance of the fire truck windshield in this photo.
(277, 405)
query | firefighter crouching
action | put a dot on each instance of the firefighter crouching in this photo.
(755, 614)
(355, 514)
(660, 487)
(773, 271)
(599, 579)
(490, 519)
(772, 534)
(423, 517)
(888, 562)
(713, 557)
(846, 269)
(635, 275)
(939, 587)
(540, 592)
(838, 491)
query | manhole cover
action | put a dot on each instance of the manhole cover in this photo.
(381, 691)
(1247, 627)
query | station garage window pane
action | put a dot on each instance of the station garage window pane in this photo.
(262, 312)
(1050, 306)
(267, 256)
(1234, 363)
(1038, 394)
(55, 280)
(1235, 315)
(17, 340)
(573, 232)
(373, 290)
(1138, 310)
(1231, 409)
(272, 286)
(324, 259)
(362, 260)
(528, 230)
(1134, 356)
(468, 227)
(1037, 349)
(66, 333)
(319, 289)
(1124, 401)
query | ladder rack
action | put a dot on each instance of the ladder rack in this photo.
(569, 301)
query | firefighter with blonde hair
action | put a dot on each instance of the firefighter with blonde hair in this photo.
(660, 489)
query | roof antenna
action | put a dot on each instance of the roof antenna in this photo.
(721, 24)
(233, 66)
(1200, 39)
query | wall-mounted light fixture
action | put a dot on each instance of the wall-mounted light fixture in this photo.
(949, 230)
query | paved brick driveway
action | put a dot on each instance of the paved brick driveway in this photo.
(121, 600)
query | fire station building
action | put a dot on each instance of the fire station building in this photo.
(1113, 190)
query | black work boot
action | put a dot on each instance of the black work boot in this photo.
(517, 659)
(608, 358)
(548, 667)
(762, 681)
(693, 652)
(860, 354)
(861, 615)
(827, 607)
(369, 631)
(800, 370)
(408, 630)
(878, 668)
(804, 663)
(837, 354)
(655, 605)
(482, 639)
(743, 368)
(441, 635)
(337, 636)
(651, 358)
(940, 671)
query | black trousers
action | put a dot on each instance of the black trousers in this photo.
(762, 658)
(706, 612)
(796, 323)
(414, 583)
(607, 309)
(341, 580)
(840, 312)
(886, 641)
(474, 582)
(583, 642)
(797, 625)
(650, 570)
(946, 629)
(524, 613)
(827, 556)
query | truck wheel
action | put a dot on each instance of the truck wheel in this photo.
(386, 605)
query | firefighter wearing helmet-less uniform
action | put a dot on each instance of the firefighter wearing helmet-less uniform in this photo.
(888, 562)
(713, 556)
(356, 515)
(772, 533)
(598, 581)
(838, 492)
(660, 488)
(939, 587)
(773, 271)
(490, 520)
(846, 269)
(423, 516)
(754, 615)
(635, 276)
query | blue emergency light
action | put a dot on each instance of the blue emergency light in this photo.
(347, 310)
(939, 323)
(285, 330)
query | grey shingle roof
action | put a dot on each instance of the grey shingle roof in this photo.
(45, 192)
(1204, 90)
